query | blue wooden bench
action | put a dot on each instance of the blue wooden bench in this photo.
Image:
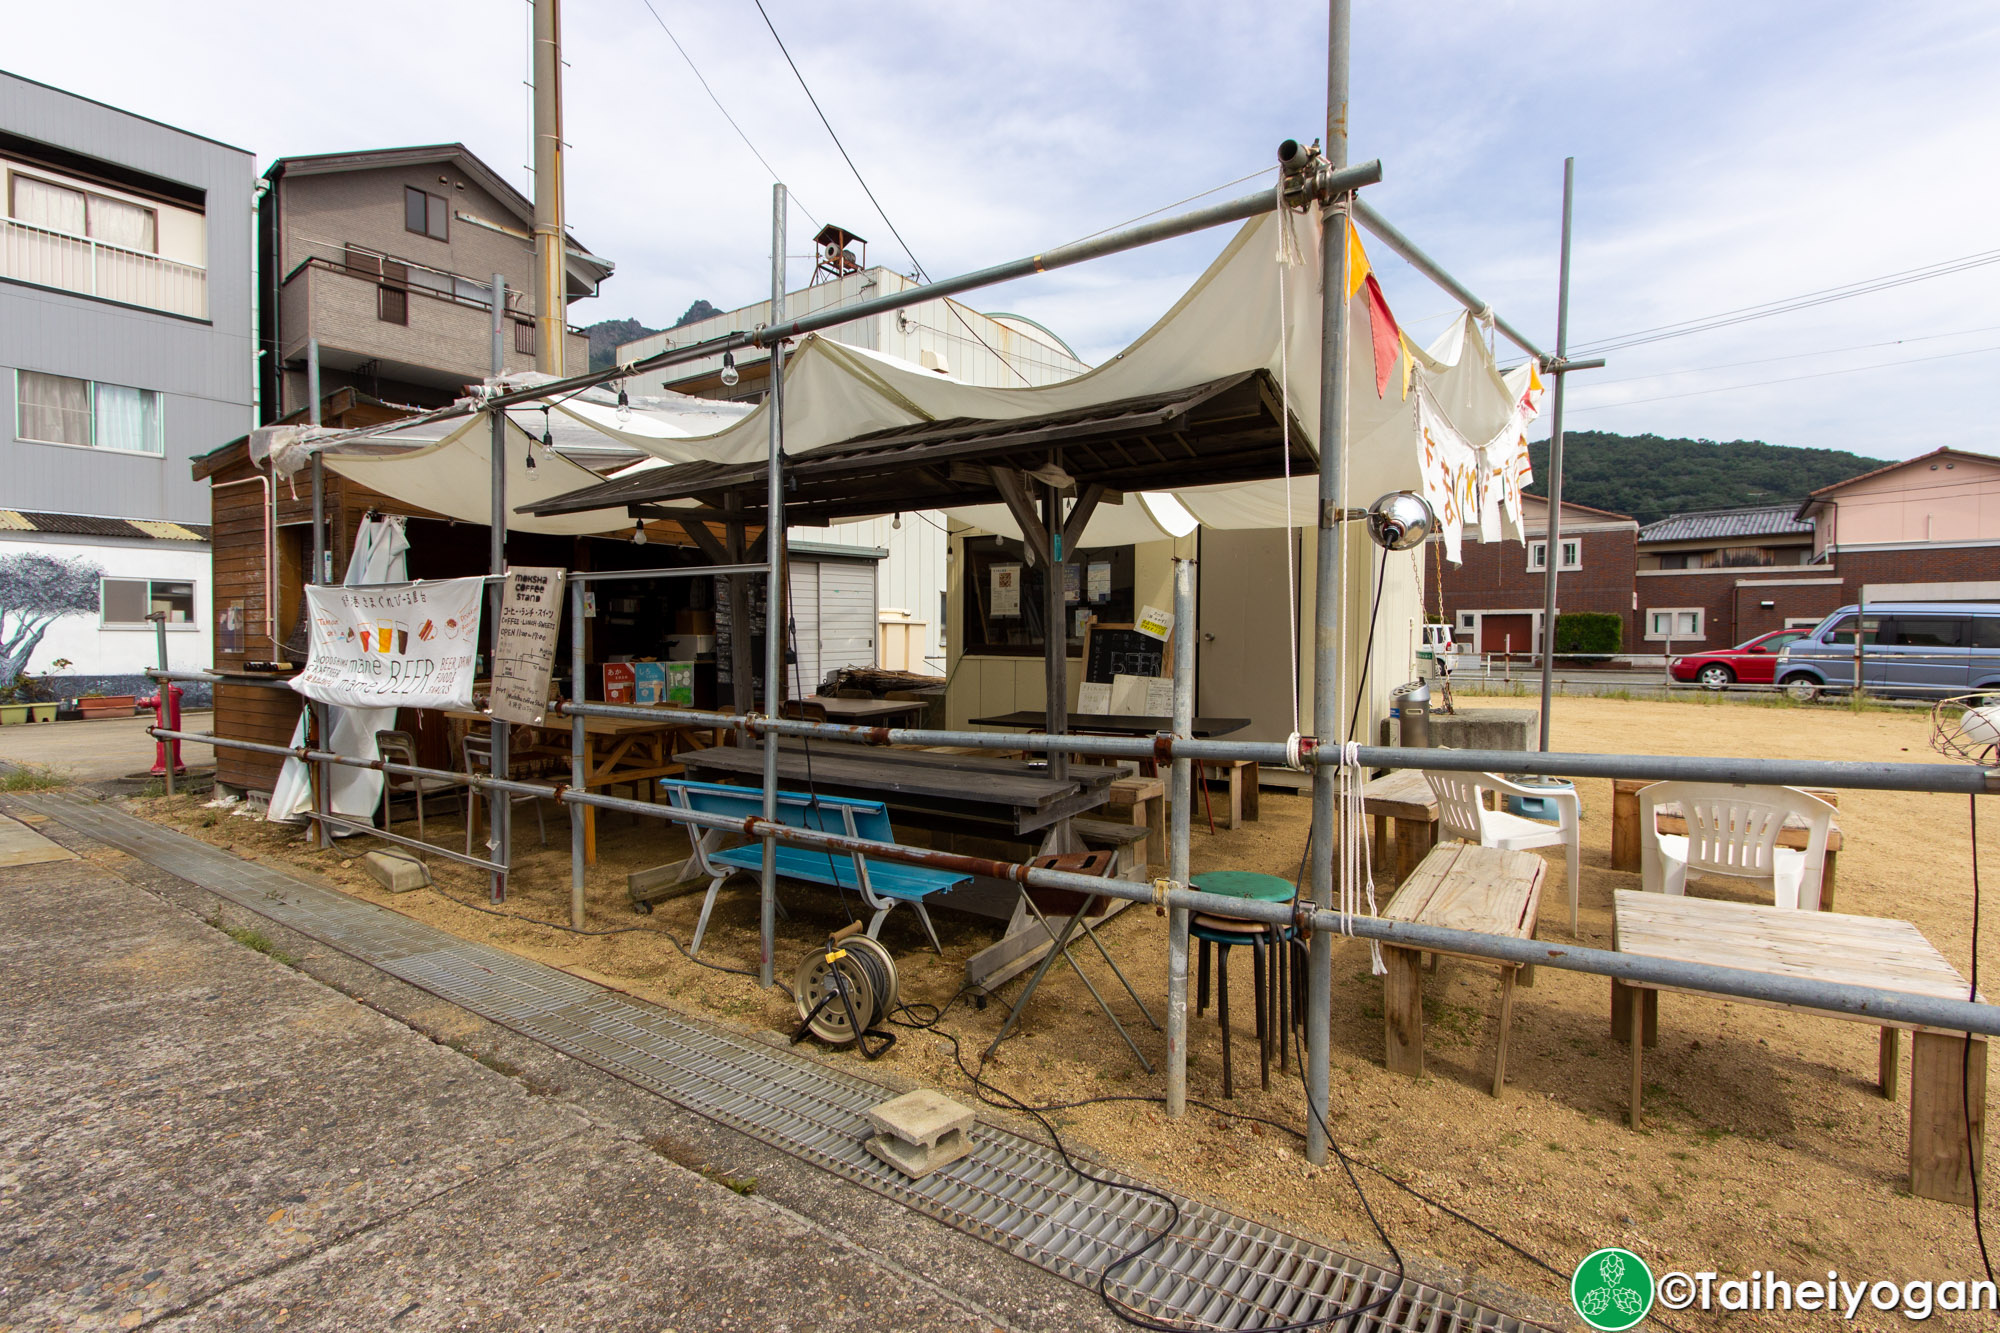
(881, 884)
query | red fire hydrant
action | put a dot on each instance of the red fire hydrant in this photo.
(166, 706)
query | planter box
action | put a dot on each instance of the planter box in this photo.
(109, 705)
(10, 714)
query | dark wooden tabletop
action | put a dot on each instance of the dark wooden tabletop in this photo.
(940, 786)
(1113, 724)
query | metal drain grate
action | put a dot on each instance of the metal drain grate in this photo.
(1219, 1270)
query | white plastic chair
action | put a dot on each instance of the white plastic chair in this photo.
(1733, 830)
(1464, 816)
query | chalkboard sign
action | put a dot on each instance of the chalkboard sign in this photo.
(1120, 650)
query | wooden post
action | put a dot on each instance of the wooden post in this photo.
(1946, 1161)
(1625, 824)
(1403, 1010)
(1507, 978)
(1890, 1061)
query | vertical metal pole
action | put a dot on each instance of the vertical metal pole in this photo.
(774, 600)
(312, 380)
(1055, 640)
(1552, 554)
(551, 284)
(1182, 806)
(499, 806)
(1329, 672)
(322, 564)
(322, 572)
(576, 670)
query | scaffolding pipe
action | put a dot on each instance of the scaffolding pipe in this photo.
(1407, 250)
(1883, 1006)
(1552, 536)
(1322, 186)
(776, 612)
(1329, 609)
(576, 753)
(1182, 814)
(499, 814)
(1854, 775)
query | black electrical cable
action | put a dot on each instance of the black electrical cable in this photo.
(1367, 652)
(1965, 1069)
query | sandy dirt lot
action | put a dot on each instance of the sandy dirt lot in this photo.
(1767, 1145)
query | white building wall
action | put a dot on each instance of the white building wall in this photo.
(911, 578)
(93, 649)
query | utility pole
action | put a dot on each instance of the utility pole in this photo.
(1328, 676)
(776, 613)
(551, 286)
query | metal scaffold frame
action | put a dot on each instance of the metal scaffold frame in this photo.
(1328, 181)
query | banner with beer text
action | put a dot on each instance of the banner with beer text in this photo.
(406, 645)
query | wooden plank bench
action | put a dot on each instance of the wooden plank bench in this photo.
(1461, 887)
(1947, 1082)
(1127, 840)
(1142, 800)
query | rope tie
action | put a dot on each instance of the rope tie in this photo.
(1357, 872)
(1289, 256)
(1294, 759)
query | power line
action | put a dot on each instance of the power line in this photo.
(1790, 356)
(772, 171)
(879, 210)
(1789, 379)
(1786, 305)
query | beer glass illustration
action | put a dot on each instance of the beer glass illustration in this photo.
(385, 637)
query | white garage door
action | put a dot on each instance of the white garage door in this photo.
(833, 619)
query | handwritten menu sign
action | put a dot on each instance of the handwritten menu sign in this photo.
(524, 648)
(407, 645)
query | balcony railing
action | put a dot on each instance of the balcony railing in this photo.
(79, 264)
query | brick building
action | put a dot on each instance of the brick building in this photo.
(1715, 577)
(1494, 599)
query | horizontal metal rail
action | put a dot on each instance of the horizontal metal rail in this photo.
(403, 840)
(1804, 992)
(1949, 779)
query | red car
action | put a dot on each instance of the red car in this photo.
(1749, 663)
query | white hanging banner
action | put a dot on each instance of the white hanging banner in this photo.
(524, 650)
(408, 645)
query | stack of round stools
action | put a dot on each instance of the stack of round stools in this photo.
(1276, 976)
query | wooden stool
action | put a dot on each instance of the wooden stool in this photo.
(1242, 792)
(1142, 801)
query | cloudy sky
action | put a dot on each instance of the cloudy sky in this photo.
(1728, 155)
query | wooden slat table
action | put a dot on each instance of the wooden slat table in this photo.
(1627, 837)
(1945, 1160)
(1461, 887)
(1405, 797)
(616, 751)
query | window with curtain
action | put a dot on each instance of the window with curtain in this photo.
(57, 409)
(54, 409)
(42, 204)
(116, 222)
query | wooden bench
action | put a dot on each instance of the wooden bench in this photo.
(1947, 1082)
(1127, 840)
(1461, 887)
(1627, 845)
(881, 884)
(1404, 796)
(1241, 777)
(1142, 800)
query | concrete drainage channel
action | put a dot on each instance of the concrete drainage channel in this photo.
(1218, 1271)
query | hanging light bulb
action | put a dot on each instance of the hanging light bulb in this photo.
(729, 375)
(624, 405)
(896, 522)
(639, 536)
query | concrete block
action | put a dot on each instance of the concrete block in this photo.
(921, 1131)
(1487, 729)
(398, 872)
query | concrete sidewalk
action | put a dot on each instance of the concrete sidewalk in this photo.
(199, 1135)
(103, 750)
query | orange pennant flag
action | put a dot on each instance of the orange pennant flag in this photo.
(1382, 330)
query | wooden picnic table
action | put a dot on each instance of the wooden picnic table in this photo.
(1459, 886)
(1945, 1160)
(616, 751)
(867, 712)
(1404, 796)
(1627, 837)
(1111, 724)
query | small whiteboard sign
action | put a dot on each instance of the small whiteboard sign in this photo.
(1155, 623)
(524, 648)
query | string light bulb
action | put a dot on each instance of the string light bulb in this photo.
(897, 522)
(624, 405)
(639, 536)
(729, 375)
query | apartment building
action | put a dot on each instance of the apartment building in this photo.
(125, 350)
(385, 261)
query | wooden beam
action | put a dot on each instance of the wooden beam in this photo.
(1013, 488)
(711, 546)
(1079, 518)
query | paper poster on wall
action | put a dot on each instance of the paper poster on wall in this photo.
(1072, 583)
(1006, 591)
(1093, 698)
(1098, 581)
(1129, 695)
(525, 647)
(409, 645)
(1079, 621)
(1154, 622)
(1160, 696)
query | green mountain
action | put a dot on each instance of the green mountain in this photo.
(1649, 477)
(606, 335)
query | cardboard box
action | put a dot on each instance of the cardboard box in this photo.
(688, 621)
(618, 683)
(649, 681)
(687, 647)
